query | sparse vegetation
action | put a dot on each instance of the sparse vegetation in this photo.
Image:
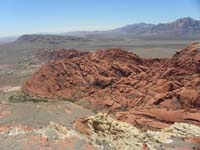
(22, 97)
(72, 100)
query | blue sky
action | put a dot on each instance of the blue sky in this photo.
(54, 16)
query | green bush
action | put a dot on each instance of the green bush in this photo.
(72, 100)
(21, 97)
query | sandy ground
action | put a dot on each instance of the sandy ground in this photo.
(35, 117)
(10, 89)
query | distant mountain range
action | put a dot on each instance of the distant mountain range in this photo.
(48, 38)
(184, 28)
(181, 29)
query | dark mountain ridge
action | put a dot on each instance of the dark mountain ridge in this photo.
(183, 28)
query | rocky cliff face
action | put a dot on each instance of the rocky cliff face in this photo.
(145, 92)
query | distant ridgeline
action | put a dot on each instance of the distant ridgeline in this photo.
(184, 28)
(181, 29)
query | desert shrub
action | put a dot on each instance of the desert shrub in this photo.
(72, 100)
(21, 97)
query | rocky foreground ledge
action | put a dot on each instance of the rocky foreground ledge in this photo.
(99, 132)
(110, 134)
(145, 92)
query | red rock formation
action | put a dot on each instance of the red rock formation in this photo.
(152, 92)
(49, 55)
(83, 75)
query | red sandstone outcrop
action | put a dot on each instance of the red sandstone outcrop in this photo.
(49, 55)
(151, 92)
